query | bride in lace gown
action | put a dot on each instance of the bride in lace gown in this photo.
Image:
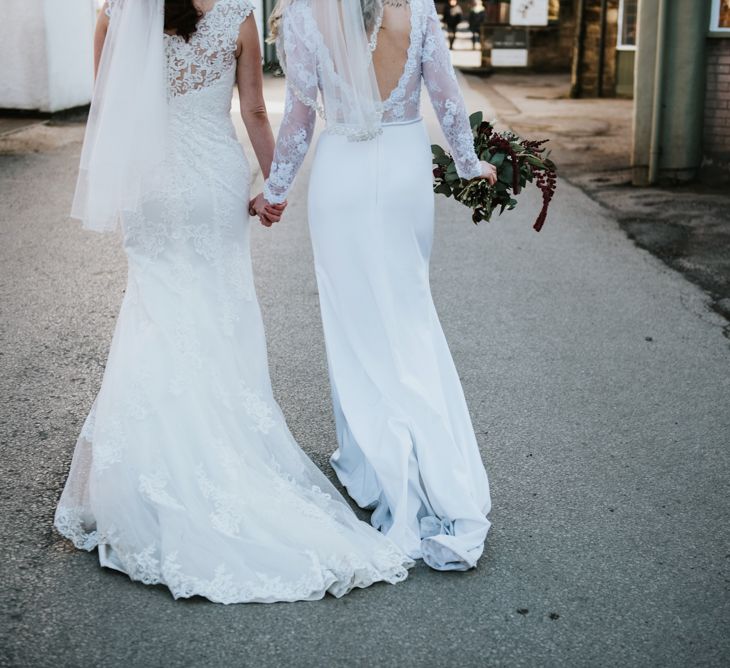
(185, 473)
(406, 444)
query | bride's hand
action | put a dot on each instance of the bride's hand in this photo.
(268, 213)
(489, 172)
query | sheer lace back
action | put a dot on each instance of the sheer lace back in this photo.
(211, 51)
(392, 44)
(405, 64)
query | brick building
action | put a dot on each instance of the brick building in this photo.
(551, 46)
(604, 48)
(593, 39)
(716, 133)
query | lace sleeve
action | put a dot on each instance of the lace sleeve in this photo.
(446, 98)
(297, 127)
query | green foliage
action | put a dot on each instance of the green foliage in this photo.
(518, 162)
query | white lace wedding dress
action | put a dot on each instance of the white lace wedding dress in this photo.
(185, 473)
(406, 444)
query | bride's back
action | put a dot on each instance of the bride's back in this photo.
(209, 55)
(206, 56)
(406, 47)
(391, 53)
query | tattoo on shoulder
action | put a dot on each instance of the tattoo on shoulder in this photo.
(395, 3)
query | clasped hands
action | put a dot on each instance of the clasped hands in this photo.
(271, 213)
(268, 213)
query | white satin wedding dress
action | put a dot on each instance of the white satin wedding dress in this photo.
(185, 473)
(406, 444)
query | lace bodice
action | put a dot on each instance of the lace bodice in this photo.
(209, 56)
(428, 61)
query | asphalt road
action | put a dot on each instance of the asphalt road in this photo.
(598, 384)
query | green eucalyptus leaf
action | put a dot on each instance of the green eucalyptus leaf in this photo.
(505, 173)
(497, 159)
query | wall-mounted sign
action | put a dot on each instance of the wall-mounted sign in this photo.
(720, 17)
(529, 12)
(509, 47)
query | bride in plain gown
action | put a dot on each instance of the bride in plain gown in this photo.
(407, 448)
(185, 473)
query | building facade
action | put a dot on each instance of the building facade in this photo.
(716, 133)
(604, 48)
(46, 51)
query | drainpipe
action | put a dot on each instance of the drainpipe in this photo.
(658, 100)
(602, 47)
(578, 50)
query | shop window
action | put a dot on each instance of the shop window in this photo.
(720, 17)
(627, 16)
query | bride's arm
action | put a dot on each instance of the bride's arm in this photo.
(249, 78)
(292, 145)
(297, 126)
(447, 100)
(102, 26)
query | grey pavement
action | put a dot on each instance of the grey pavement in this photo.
(686, 225)
(598, 383)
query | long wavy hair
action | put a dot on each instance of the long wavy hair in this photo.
(181, 18)
(370, 10)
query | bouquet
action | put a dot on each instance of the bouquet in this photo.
(518, 162)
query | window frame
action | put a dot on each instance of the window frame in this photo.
(620, 46)
(715, 20)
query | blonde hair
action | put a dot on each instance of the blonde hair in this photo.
(369, 12)
(275, 21)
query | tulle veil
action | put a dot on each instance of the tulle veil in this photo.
(125, 133)
(350, 98)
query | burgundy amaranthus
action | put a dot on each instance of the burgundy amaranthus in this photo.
(518, 162)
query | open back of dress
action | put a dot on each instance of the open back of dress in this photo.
(408, 49)
(391, 51)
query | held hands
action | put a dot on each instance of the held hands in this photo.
(489, 172)
(271, 213)
(268, 213)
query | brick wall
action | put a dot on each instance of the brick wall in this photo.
(717, 100)
(586, 84)
(551, 47)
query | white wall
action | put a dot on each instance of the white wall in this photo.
(46, 54)
(70, 46)
(24, 71)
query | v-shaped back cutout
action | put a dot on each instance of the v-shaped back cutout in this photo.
(391, 52)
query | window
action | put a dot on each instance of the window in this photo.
(627, 16)
(720, 17)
